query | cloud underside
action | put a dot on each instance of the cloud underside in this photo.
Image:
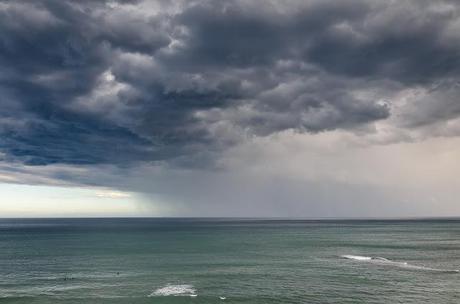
(128, 82)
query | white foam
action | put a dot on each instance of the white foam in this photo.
(175, 290)
(405, 265)
(356, 257)
(222, 298)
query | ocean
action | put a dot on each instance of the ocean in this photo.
(146, 260)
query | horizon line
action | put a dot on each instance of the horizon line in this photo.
(408, 218)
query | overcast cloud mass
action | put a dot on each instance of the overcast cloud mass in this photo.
(238, 108)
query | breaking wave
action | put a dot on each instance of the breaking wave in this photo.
(175, 290)
(356, 257)
(405, 265)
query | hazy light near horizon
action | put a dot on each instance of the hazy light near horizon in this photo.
(324, 175)
(52, 201)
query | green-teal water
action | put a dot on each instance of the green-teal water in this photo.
(243, 261)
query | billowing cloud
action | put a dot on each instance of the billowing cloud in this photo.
(124, 84)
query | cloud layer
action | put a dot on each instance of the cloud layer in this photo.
(117, 84)
(94, 82)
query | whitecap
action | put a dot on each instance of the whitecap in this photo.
(356, 257)
(405, 265)
(175, 290)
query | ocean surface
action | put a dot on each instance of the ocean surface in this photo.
(229, 261)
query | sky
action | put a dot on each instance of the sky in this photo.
(311, 108)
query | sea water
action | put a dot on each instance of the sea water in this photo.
(229, 261)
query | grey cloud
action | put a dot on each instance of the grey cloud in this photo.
(93, 83)
(433, 110)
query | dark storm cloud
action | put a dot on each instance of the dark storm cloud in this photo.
(95, 82)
